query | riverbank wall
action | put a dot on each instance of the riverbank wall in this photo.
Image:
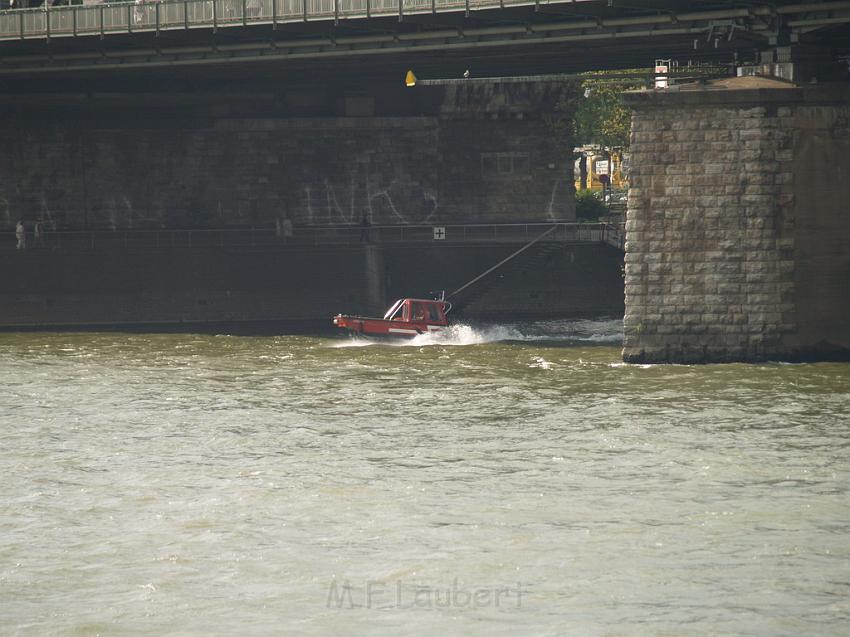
(296, 286)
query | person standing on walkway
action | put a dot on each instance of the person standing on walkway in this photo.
(21, 235)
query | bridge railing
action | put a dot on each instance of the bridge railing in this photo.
(73, 240)
(127, 17)
(614, 234)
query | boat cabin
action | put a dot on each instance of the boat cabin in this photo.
(418, 311)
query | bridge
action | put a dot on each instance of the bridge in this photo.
(526, 35)
(241, 113)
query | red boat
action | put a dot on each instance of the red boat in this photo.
(406, 318)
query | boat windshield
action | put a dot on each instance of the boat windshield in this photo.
(393, 309)
(426, 312)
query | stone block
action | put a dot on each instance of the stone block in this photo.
(728, 289)
(631, 320)
(729, 266)
(760, 279)
(734, 340)
(764, 299)
(749, 135)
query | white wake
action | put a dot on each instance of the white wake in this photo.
(579, 331)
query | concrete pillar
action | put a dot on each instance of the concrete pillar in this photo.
(373, 268)
(738, 232)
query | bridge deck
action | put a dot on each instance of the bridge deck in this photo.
(129, 17)
(167, 15)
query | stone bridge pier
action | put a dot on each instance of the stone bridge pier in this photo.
(738, 223)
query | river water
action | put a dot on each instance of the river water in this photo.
(505, 480)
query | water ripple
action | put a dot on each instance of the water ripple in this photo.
(200, 485)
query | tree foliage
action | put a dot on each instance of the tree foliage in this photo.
(600, 118)
(589, 206)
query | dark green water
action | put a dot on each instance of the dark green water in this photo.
(514, 480)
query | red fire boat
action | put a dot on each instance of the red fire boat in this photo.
(406, 318)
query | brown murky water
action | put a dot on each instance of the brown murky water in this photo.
(507, 480)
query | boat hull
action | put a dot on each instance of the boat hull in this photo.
(384, 328)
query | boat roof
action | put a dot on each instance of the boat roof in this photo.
(410, 298)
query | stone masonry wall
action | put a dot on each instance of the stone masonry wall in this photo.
(177, 160)
(714, 241)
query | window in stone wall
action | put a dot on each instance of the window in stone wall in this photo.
(515, 165)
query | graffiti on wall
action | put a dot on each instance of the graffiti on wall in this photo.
(556, 201)
(398, 201)
(119, 212)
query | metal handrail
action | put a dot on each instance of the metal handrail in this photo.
(614, 234)
(163, 15)
(309, 235)
(158, 15)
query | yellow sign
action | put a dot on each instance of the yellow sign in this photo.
(410, 79)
